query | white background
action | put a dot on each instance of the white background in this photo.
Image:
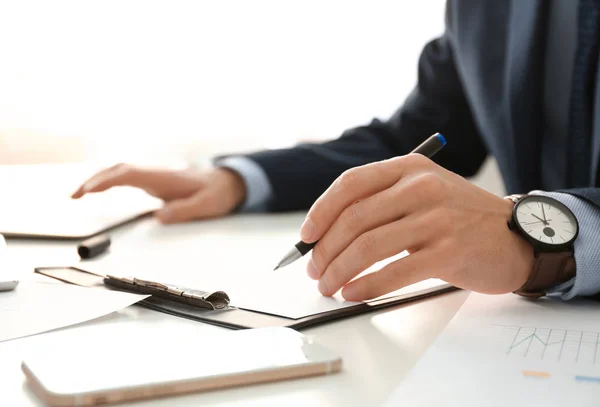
(126, 80)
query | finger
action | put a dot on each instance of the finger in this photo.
(398, 274)
(117, 175)
(408, 196)
(354, 184)
(373, 246)
(201, 205)
(83, 187)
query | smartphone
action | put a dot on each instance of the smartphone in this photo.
(116, 370)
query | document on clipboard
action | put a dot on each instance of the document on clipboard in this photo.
(217, 308)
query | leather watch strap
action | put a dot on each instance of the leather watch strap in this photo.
(549, 270)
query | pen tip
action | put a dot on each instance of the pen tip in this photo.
(276, 267)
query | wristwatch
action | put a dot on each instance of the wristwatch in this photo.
(551, 228)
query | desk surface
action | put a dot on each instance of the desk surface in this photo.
(378, 349)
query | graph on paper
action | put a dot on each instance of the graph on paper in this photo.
(550, 344)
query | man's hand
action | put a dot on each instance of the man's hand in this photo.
(188, 194)
(452, 229)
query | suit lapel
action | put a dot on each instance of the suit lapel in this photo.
(526, 45)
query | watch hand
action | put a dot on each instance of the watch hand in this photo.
(541, 220)
(537, 221)
(535, 216)
(543, 212)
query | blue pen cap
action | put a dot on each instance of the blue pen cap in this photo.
(432, 145)
(441, 138)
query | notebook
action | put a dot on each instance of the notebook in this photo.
(36, 203)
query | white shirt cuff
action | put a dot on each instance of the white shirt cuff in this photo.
(258, 188)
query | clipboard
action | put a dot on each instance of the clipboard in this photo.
(238, 318)
(215, 307)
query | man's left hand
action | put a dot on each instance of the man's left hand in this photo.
(453, 230)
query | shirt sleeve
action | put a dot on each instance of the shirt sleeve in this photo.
(587, 256)
(258, 188)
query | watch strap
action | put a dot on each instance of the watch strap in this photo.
(549, 270)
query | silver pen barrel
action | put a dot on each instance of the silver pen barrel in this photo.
(289, 258)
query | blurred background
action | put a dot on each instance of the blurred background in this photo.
(165, 81)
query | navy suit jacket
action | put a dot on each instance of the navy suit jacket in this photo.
(480, 85)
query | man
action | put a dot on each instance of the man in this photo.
(515, 79)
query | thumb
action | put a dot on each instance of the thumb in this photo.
(201, 205)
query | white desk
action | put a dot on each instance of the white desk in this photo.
(378, 349)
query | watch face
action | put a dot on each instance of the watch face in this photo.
(545, 220)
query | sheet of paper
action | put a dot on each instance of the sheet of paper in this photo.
(300, 296)
(37, 306)
(506, 350)
(228, 259)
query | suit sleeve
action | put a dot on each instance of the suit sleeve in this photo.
(300, 174)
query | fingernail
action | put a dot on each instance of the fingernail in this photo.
(323, 286)
(349, 293)
(307, 230)
(311, 270)
(90, 185)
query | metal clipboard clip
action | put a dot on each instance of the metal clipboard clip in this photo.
(216, 300)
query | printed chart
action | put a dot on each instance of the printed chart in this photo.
(503, 350)
(549, 344)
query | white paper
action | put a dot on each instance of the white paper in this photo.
(36, 306)
(203, 260)
(506, 350)
(298, 295)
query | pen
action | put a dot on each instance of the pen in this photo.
(428, 148)
(93, 247)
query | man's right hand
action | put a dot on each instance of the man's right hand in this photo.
(188, 194)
